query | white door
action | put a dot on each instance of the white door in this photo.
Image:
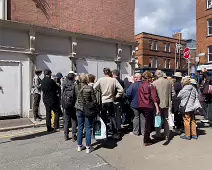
(105, 64)
(86, 66)
(125, 70)
(9, 89)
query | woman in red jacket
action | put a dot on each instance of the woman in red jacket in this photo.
(148, 100)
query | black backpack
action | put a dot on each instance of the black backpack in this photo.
(68, 96)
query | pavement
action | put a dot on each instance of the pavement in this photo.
(34, 149)
(19, 123)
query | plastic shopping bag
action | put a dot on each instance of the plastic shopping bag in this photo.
(158, 121)
(100, 131)
(171, 120)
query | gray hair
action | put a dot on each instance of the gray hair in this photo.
(159, 73)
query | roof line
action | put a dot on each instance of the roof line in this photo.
(158, 36)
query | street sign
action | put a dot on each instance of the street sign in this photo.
(186, 53)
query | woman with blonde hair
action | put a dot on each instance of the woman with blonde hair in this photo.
(189, 103)
(85, 95)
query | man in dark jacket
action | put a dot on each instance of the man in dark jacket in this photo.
(119, 101)
(132, 94)
(50, 99)
(68, 102)
(176, 101)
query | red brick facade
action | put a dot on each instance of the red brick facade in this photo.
(203, 39)
(164, 57)
(112, 19)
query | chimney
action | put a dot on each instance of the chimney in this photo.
(177, 35)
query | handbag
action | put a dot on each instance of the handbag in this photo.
(90, 108)
(183, 108)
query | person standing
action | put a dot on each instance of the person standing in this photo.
(148, 100)
(85, 94)
(108, 87)
(189, 104)
(176, 102)
(165, 91)
(68, 99)
(36, 92)
(132, 95)
(50, 99)
(118, 102)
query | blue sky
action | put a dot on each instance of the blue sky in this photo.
(163, 17)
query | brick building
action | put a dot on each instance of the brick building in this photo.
(204, 31)
(80, 35)
(157, 51)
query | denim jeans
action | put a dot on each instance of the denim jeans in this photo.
(88, 122)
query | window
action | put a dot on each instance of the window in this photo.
(151, 44)
(169, 47)
(210, 54)
(177, 64)
(164, 46)
(169, 63)
(164, 62)
(156, 63)
(210, 26)
(209, 4)
(156, 46)
(151, 62)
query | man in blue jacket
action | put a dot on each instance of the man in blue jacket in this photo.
(132, 94)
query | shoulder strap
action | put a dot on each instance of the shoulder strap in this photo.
(81, 91)
(188, 97)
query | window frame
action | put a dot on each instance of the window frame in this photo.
(156, 46)
(151, 44)
(208, 4)
(151, 62)
(165, 47)
(169, 63)
(169, 48)
(165, 64)
(209, 53)
(209, 26)
(155, 62)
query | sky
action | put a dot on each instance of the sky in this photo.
(163, 17)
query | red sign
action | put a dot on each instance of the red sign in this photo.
(187, 53)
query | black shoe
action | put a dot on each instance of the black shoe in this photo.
(66, 137)
(74, 138)
(50, 130)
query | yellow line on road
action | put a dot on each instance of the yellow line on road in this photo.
(18, 134)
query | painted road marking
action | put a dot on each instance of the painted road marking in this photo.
(22, 133)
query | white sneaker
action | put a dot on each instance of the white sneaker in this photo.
(80, 148)
(89, 149)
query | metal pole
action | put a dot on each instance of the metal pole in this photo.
(188, 67)
(175, 58)
(179, 51)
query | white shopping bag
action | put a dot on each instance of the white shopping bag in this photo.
(171, 120)
(100, 131)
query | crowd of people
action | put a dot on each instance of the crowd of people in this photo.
(134, 102)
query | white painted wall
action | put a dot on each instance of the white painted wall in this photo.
(56, 63)
(125, 70)
(6, 56)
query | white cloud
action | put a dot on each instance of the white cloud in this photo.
(164, 16)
